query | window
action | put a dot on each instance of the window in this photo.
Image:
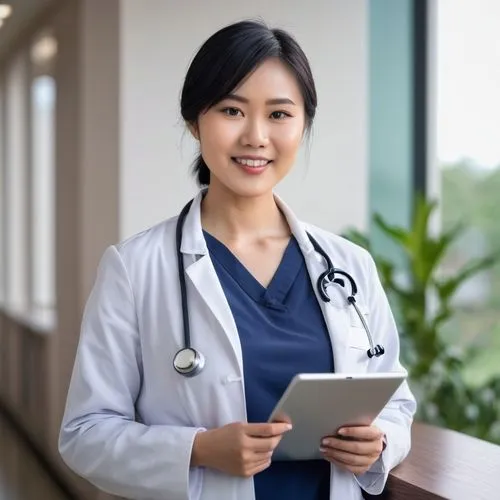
(468, 147)
(43, 195)
(43, 97)
(16, 221)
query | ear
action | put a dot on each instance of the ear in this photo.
(193, 128)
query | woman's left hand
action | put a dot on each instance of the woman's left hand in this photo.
(355, 448)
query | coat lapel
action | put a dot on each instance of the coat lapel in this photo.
(336, 314)
(204, 278)
(201, 273)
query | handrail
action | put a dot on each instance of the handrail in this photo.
(444, 464)
(39, 321)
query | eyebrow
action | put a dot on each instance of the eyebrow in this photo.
(276, 101)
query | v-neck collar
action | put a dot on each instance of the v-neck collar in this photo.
(276, 292)
(193, 241)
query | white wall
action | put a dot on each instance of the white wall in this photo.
(157, 44)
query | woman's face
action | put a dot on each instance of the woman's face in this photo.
(250, 139)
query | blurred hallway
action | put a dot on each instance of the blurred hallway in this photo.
(92, 151)
(22, 477)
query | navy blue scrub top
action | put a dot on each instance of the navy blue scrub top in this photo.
(282, 332)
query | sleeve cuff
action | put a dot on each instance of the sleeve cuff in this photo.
(370, 480)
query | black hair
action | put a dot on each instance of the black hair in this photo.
(230, 55)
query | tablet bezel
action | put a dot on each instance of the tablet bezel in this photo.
(303, 441)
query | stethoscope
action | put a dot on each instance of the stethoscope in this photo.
(190, 362)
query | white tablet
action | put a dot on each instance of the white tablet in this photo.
(317, 405)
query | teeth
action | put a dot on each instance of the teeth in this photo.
(252, 163)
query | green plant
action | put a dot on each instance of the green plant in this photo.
(422, 300)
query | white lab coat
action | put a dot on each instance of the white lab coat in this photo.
(130, 419)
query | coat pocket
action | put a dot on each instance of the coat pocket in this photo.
(358, 336)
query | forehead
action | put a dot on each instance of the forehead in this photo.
(271, 79)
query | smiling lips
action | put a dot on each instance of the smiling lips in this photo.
(252, 165)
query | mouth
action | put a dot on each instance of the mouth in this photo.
(251, 162)
(251, 166)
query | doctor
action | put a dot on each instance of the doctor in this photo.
(146, 418)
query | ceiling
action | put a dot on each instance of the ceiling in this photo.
(23, 13)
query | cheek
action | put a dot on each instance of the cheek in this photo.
(288, 141)
(216, 135)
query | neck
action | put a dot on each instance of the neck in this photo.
(229, 216)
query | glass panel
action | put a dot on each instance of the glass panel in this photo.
(43, 100)
(43, 108)
(469, 152)
(16, 184)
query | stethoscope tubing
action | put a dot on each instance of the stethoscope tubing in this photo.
(189, 362)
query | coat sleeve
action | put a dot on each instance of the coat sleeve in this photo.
(397, 417)
(100, 438)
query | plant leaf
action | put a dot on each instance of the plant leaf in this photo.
(448, 287)
(432, 252)
(419, 233)
(357, 237)
(398, 234)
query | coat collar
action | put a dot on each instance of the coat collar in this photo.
(204, 279)
(193, 241)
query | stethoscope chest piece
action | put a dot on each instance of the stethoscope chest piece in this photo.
(188, 362)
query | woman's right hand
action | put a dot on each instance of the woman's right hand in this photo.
(238, 449)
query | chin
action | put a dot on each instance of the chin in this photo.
(251, 189)
(244, 187)
(243, 192)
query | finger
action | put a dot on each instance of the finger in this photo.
(348, 458)
(365, 433)
(263, 445)
(266, 459)
(282, 417)
(259, 467)
(267, 429)
(257, 459)
(354, 447)
(350, 468)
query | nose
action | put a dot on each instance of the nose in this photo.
(255, 133)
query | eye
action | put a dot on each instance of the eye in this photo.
(279, 115)
(231, 111)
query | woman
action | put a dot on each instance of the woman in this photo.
(134, 425)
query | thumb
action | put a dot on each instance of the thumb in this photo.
(268, 429)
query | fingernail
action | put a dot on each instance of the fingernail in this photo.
(342, 432)
(322, 450)
(288, 427)
(325, 442)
